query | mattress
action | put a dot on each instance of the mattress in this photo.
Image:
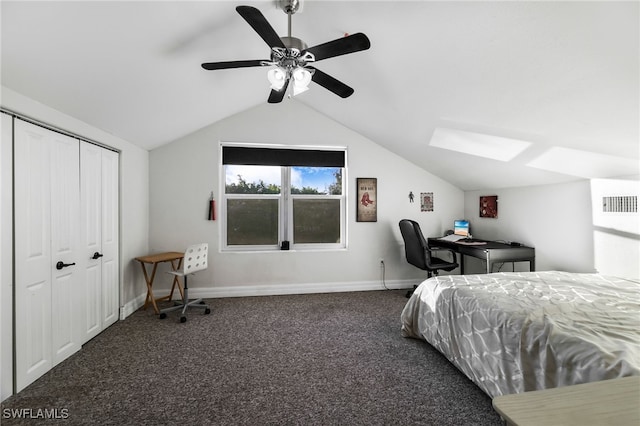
(517, 332)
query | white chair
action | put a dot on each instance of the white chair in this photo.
(195, 259)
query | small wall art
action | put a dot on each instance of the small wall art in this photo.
(426, 201)
(489, 206)
(367, 201)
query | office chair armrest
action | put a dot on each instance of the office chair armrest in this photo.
(453, 253)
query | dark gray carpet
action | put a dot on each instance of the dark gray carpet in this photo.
(323, 359)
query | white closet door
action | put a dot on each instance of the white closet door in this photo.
(66, 290)
(91, 196)
(32, 254)
(100, 263)
(46, 232)
(110, 238)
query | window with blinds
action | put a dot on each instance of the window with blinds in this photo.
(281, 198)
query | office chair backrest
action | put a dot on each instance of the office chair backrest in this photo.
(415, 246)
(195, 258)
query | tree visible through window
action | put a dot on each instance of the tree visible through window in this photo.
(266, 205)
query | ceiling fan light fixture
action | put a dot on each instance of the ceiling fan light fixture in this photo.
(301, 80)
(277, 77)
(291, 55)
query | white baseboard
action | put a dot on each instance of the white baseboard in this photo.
(132, 306)
(283, 289)
(272, 290)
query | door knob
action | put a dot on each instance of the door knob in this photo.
(61, 265)
(97, 255)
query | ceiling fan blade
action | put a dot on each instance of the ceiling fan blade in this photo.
(341, 46)
(259, 23)
(276, 96)
(330, 83)
(233, 64)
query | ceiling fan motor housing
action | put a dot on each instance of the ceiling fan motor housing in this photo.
(290, 57)
(294, 43)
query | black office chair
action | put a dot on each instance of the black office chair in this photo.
(420, 255)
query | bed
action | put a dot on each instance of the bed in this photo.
(517, 332)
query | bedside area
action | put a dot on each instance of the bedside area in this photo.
(607, 402)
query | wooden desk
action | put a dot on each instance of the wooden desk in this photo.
(608, 402)
(491, 252)
(155, 259)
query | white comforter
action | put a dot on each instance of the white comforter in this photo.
(517, 332)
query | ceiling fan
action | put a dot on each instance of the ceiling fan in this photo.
(291, 56)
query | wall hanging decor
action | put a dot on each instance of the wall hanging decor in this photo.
(212, 208)
(367, 201)
(426, 201)
(489, 206)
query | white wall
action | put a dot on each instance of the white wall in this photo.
(183, 174)
(616, 235)
(134, 207)
(555, 219)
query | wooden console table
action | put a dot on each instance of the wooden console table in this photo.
(155, 259)
(608, 402)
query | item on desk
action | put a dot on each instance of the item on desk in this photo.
(461, 227)
(453, 237)
(515, 244)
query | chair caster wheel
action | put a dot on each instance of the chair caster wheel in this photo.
(163, 315)
(183, 319)
(207, 311)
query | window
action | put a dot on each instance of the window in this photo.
(275, 197)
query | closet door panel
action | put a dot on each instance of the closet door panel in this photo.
(66, 290)
(64, 327)
(91, 200)
(35, 343)
(92, 290)
(32, 253)
(110, 237)
(100, 204)
(110, 292)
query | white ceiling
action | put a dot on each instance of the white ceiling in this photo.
(561, 76)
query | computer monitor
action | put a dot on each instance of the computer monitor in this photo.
(461, 227)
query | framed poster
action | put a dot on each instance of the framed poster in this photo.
(367, 210)
(489, 206)
(426, 201)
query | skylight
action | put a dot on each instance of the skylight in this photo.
(584, 164)
(478, 144)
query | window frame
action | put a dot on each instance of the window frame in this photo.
(285, 205)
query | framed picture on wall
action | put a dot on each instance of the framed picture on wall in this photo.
(489, 206)
(367, 202)
(426, 201)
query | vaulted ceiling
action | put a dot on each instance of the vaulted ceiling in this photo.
(483, 94)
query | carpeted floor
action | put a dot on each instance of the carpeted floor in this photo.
(322, 359)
